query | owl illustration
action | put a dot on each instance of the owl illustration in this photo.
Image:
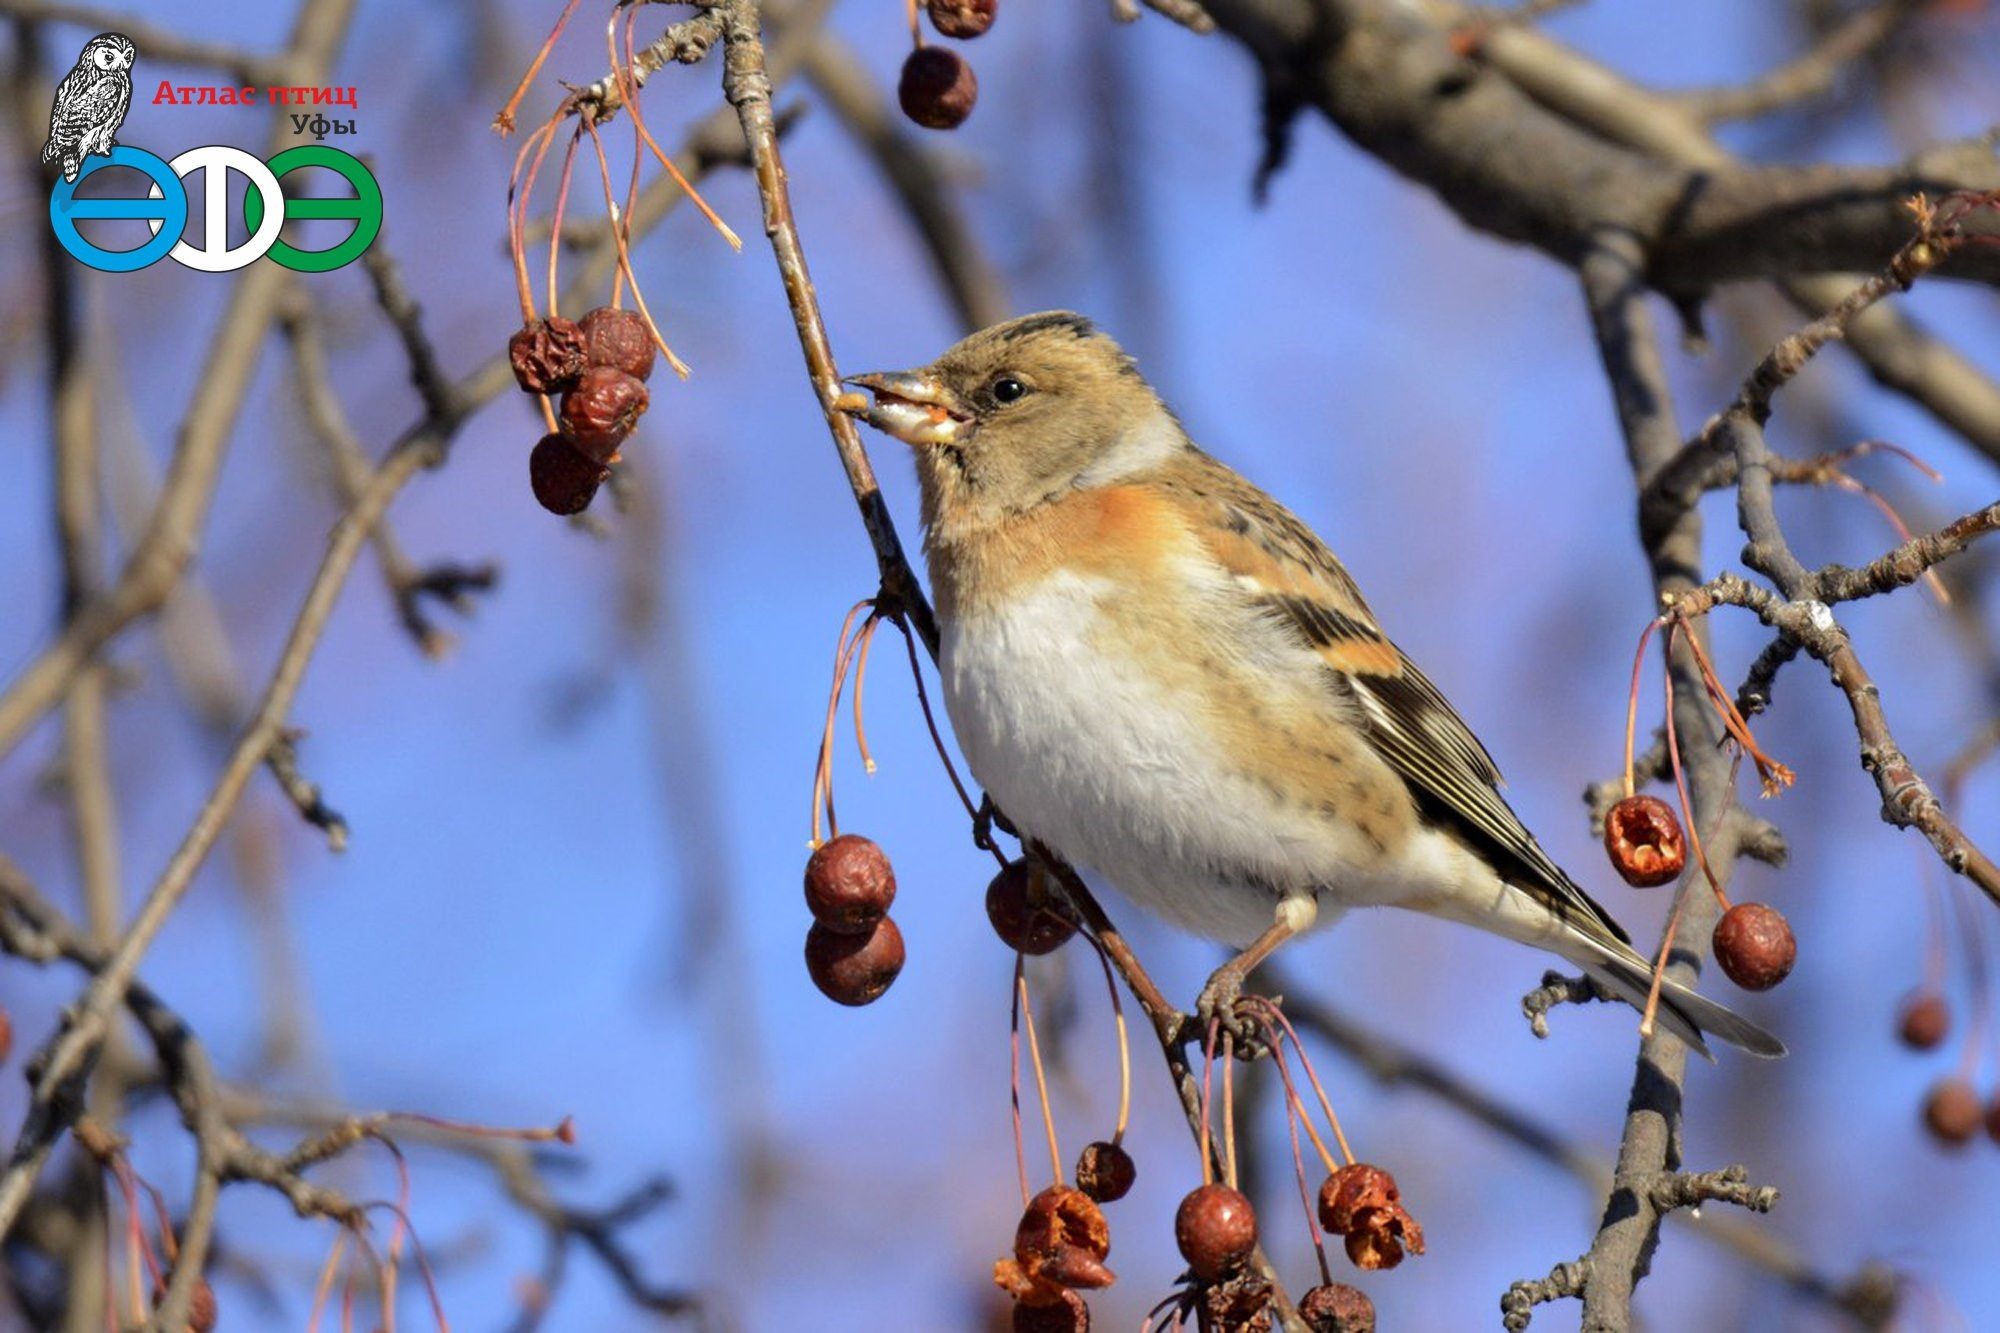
(91, 102)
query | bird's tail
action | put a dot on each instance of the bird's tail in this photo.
(1682, 1012)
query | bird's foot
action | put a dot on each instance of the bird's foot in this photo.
(1223, 1008)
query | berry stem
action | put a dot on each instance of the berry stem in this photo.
(1277, 1015)
(556, 218)
(1229, 1103)
(629, 92)
(868, 628)
(1041, 1078)
(1632, 700)
(1014, 1074)
(1124, 1044)
(504, 122)
(1295, 1115)
(624, 252)
(937, 736)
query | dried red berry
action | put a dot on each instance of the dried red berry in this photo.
(962, 18)
(854, 969)
(1353, 1188)
(619, 339)
(1066, 1314)
(1644, 841)
(564, 481)
(1924, 1022)
(599, 413)
(1216, 1228)
(1754, 944)
(937, 88)
(1016, 905)
(1240, 1303)
(1362, 1203)
(1335, 1307)
(1105, 1171)
(1952, 1112)
(849, 884)
(547, 355)
(1060, 1243)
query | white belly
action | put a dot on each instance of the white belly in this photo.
(1089, 754)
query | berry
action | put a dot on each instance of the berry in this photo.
(1017, 908)
(854, 969)
(564, 481)
(1645, 842)
(1993, 1118)
(546, 354)
(1925, 1021)
(1362, 1203)
(1952, 1112)
(1105, 1172)
(1754, 944)
(618, 339)
(1216, 1228)
(937, 88)
(1336, 1307)
(849, 885)
(1063, 1238)
(962, 18)
(601, 410)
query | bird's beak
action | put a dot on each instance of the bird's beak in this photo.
(912, 407)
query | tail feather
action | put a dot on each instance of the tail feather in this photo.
(1683, 1012)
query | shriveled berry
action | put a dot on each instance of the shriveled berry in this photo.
(564, 481)
(600, 412)
(1644, 841)
(1345, 1194)
(937, 88)
(854, 969)
(1363, 1203)
(618, 339)
(1952, 1112)
(1105, 1171)
(849, 884)
(1335, 1307)
(1754, 944)
(1216, 1228)
(1239, 1303)
(962, 18)
(1925, 1021)
(1066, 1314)
(546, 354)
(1016, 906)
(1063, 1236)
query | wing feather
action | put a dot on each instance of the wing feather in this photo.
(1279, 561)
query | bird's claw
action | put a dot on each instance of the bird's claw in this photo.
(1223, 1008)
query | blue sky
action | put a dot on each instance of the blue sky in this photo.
(507, 938)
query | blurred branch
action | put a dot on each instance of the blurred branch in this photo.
(161, 44)
(1895, 350)
(174, 531)
(1812, 74)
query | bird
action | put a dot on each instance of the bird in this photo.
(91, 102)
(1162, 675)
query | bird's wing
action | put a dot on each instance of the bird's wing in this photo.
(1280, 563)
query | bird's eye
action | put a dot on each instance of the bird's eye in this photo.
(1007, 389)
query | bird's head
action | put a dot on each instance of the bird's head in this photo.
(1019, 414)
(110, 52)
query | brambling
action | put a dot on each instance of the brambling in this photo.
(1161, 674)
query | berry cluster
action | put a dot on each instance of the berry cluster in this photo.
(599, 365)
(854, 950)
(937, 88)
